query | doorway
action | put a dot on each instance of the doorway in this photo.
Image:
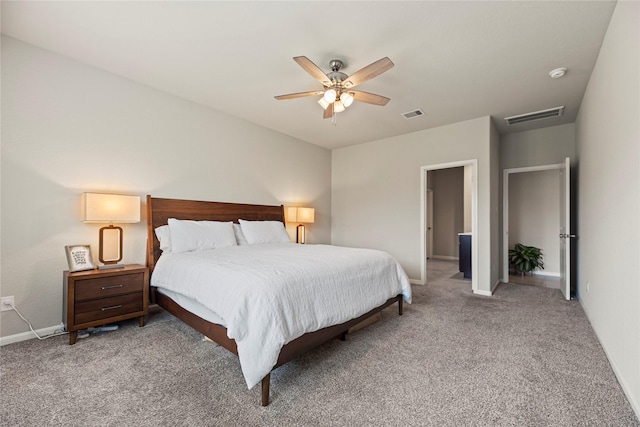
(536, 205)
(426, 218)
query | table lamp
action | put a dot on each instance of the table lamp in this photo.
(110, 208)
(301, 215)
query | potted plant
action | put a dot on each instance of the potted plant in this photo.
(526, 258)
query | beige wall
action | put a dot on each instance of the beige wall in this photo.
(68, 128)
(538, 147)
(376, 191)
(448, 210)
(608, 147)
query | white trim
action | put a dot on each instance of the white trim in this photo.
(417, 282)
(474, 217)
(483, 293)
(25, 336)
(505, 210)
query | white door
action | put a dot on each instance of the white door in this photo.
(565, 230)
(429, 224)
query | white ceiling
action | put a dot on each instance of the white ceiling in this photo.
(454, 60)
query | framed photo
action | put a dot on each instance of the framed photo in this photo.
(79, 257)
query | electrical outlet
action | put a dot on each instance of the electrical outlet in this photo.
(6, 303)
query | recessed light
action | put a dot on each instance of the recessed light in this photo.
(557, 73)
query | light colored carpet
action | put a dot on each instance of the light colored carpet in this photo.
(524, 357)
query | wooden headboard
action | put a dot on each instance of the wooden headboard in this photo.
(160, 210)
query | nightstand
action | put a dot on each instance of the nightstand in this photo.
(97, 297)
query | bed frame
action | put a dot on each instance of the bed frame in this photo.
(160, 210)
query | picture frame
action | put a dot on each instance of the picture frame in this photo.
(79, 257)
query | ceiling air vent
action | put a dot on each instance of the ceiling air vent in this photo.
(536, 115)
(413, 114)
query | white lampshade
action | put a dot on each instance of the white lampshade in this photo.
(108, 208)
(338, 107)
(300, 215)
(330, 95)
(323, 102)
(306, 215)
(346, 98)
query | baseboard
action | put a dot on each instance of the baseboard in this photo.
(25, 336)
(416, 282)
(546, 273)
(483, 293)
(495, 285)
(446, 257)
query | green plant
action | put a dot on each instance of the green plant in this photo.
(526, 258)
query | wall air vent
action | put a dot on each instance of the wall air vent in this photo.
(536, 115)
(413, 114)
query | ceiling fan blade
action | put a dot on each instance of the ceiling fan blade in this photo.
(299, 94)
(369, 98)
(368, 72)
(311, 68)
(328, 113)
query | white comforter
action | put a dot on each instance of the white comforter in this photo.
(269, 295)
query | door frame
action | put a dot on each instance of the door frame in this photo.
(505, 209)
(473, 163)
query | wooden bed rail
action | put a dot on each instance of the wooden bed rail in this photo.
(159, 210)
(290, 351)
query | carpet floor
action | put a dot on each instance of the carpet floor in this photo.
(524, 357)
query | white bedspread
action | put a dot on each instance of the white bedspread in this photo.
(269, 295)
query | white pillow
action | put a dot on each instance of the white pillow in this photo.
(188, 236)
(264, 232)
(240, 239)
(163, 233)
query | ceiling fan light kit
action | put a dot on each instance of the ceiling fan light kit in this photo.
(337, 94)
(346, 98)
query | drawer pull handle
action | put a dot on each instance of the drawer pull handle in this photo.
(104, 288)
(113, 307)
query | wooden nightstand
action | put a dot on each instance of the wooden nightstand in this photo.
(96, 297)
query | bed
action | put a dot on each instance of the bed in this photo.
(184, 291)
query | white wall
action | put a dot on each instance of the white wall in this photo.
(608, 147)
(495, 182)
(376, 191)
(68, 128)
(534, 214)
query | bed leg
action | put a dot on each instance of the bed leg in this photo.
(400, 306)
(343, 336)
(265, 389)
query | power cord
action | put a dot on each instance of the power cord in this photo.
(56, 333)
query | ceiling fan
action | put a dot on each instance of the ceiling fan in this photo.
(338, 92)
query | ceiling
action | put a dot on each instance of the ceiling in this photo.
(454, 60)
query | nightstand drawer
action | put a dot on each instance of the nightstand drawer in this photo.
(107, 286)
(89, 311)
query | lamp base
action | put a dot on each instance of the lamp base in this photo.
(300, 237)
(110, 266)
